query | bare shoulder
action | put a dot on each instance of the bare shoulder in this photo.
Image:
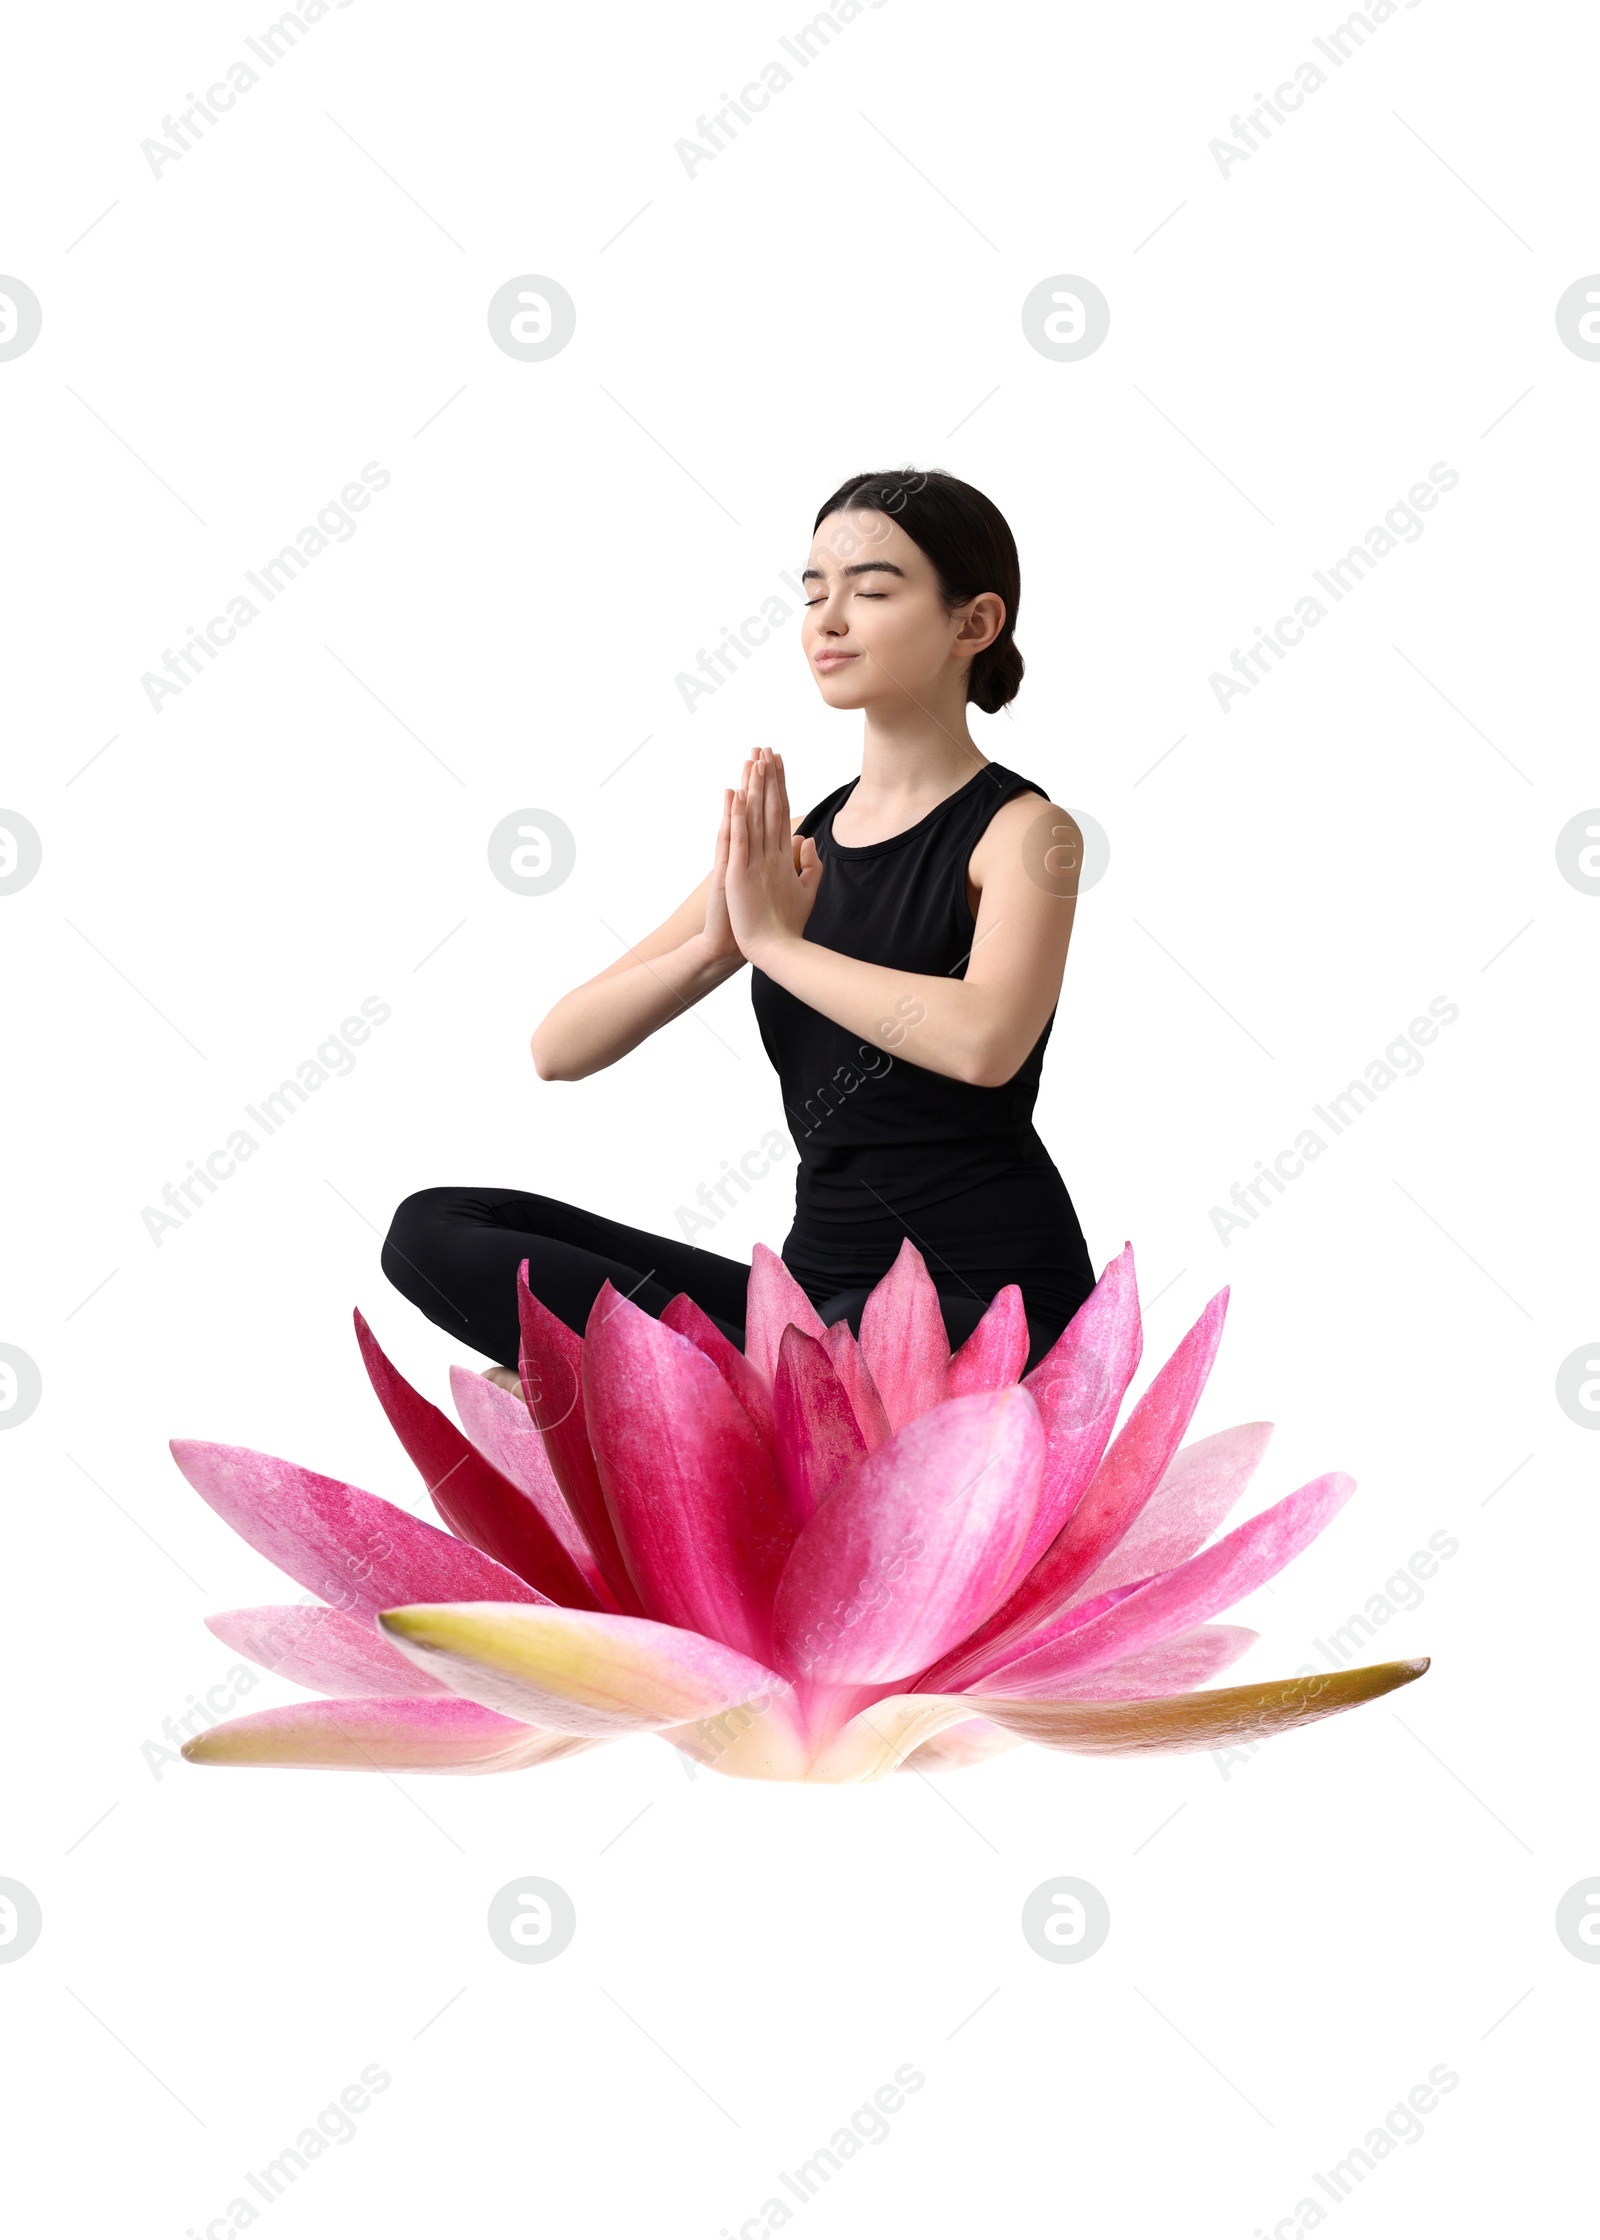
(1027, 827)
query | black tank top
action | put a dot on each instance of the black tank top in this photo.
(866, 1120)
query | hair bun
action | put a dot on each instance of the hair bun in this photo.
(996, 675)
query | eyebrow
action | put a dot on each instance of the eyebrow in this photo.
(861, 568)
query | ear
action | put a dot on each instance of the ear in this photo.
(982, 623)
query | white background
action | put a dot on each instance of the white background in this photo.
(1309, 1932)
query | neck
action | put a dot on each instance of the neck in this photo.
(911, 754)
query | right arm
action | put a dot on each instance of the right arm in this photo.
(687, 956)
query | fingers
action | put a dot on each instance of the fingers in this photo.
(777, 806)
(747, 810)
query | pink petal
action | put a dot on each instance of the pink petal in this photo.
(1103, 1512)
(844, 1351)
(1197, 1722)
(500, 1427)
(692, 1490)
(746, 1384)
(996, 1351)
(475, 1501)
(320, 1648)
(967, 1744)
(579, 1671)
(764, 1739)
(903, 1338)
(357, 1553)
(1188, 1660)
(817, 1437)
(552, 1384)
(914, 1547)
(772, 1301)
(880, 1738)
(1211, 1581)
(1079, 1387)
(416, 1734)
(1202, 1483)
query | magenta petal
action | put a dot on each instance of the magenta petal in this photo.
(1196, 1590)
(475, 1501)
(500, 1427)
(419, 1734)
(915, 1545)
(1168, 1668)
(1079, 1387)
(995, 1353)
(772, 1301)
(903, 1338)
(357, 1553)
(320, 1648)
(692, 1490)
(1116, 1493)
(1137, 1459)
(746, 1383)
(844, 1351)
(552, 1385)
(1201, 1484)
(818, 1439)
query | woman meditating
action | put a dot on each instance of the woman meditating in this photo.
(906, 939)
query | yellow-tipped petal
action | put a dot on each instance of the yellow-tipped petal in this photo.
(580, 1671)
(380, 1734)
(1194, 1722)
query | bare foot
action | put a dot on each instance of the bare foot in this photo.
(507, 1379)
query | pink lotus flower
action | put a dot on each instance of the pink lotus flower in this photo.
(820, 1559)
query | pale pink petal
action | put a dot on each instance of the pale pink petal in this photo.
(817, 1437)
(355, 1552)
(879, 1739)
(1101, 1515)
(320, 1648)
(1197, 1722)
(903, 1338)
(582, 1672)
(995, 1353)
(764, 1739)
(914, 1547)
(499, 1426)
(772, 1301)
(968, 1744)
(1188, 1660)
(844, 1351)
(1213, 1580)
(551, 1360)
(475, 1501)
(746, 1383)
(691, 1488)
(369, 1734)
(1202, 1483)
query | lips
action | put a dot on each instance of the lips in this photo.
(833, 660)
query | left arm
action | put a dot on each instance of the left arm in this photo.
(978, 1029)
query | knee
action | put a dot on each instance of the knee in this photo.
(416, 1230)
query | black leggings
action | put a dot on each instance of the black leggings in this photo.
(455, 1254)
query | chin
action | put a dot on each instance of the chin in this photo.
(845, 688)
